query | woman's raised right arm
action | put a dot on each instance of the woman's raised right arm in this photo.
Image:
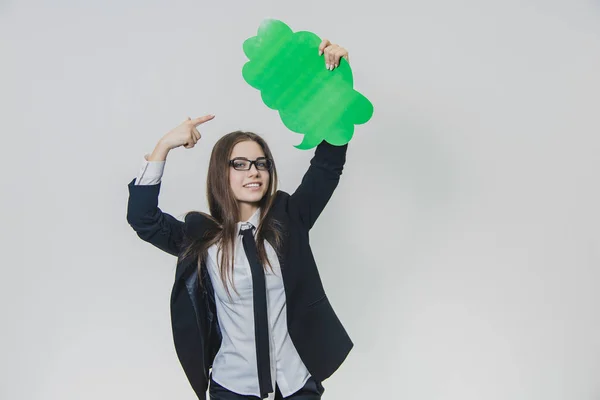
(143, 214)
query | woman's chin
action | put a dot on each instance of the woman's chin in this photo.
(252, 199)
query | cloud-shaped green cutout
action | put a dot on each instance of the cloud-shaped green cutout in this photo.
(311, 100)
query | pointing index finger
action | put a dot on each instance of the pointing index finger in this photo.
(201, 120)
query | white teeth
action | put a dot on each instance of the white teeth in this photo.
(252, 185)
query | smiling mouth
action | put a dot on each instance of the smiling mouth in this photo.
(253, 185)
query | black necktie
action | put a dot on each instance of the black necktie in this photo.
(261, 321)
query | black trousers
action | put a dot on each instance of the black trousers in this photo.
(312, 390)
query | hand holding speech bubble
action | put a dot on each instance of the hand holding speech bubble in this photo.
(291, 75)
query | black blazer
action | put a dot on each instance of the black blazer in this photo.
(317, 333)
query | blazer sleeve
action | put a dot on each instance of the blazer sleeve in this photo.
(318, 183)
(149, 222)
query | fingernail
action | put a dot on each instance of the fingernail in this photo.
(320, 52)
(327, 66)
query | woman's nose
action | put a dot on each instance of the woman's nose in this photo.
(253, 170)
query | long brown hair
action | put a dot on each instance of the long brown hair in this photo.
(225, 213)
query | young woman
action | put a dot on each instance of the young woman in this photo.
(249, 313)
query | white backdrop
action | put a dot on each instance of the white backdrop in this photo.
(461, 249)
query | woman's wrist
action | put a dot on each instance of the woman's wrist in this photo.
(160, 152)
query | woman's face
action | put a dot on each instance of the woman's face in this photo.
(248, 186)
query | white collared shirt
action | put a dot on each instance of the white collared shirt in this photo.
(235, 365)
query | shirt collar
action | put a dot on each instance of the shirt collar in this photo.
(254, 220)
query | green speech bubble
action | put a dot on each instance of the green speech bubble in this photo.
(311, 100)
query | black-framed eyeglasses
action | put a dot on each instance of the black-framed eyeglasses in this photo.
(243, 164)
